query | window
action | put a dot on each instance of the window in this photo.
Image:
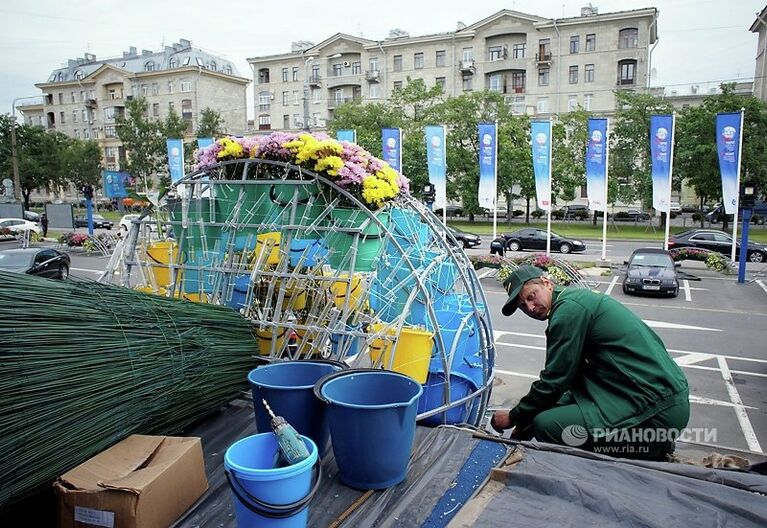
(397, 86)
(544, 49)
(588, 73)
(628, 38)
(495, 82)
(573, 75)
(517, 104)
(227, 69)
(467, 83)
(373, 64)
(418, 61)
(315, 73)
(467, 55)
(112, 94)
(149, 66)
(398, 63)
(627, 71)
(297, 121)
(572, 102)
(543, 76)
(77, 133)
(79, 75)
(155, 89)
(316, 94)
(296, 97)
(441, 82)
(440, 58)
(338, 69)
(82, 96)
(172, 63)
(285, 96)
(295, 73)
(213, 66)
(286, 121)
(495, 53)
(284, 75)
(109, 131)
(170, 87)
(186, 86)
(95, 133)
(356, 68)
(587, 98)
(575, 43)
(199, 62)
(316, 121)
(591, 41)
(186, 61)
(156, 109)
(84, 115)
(543, 105)
(62, 119)
(518, 81)
(61, 98)
(518, 51)
(72, 97)
(264, 101)
(264, 122)
(171, 107)
(74, 116)
(144, 90)
(375, 91)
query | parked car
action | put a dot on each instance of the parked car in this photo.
(42, 261)
(632, 215)
(31, 216)
(450, 210)
(18, 226)
(719, 241)
(674, 207)
(717, 214)
(575, 211)
(500, 212)
(653, 271)
(469, 240)
(532, 238)
(99, 222)
(127, 221)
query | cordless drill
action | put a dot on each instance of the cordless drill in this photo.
(291, 448)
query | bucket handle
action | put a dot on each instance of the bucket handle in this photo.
(273, 511)
(324, 379)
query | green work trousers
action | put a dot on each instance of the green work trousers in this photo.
(650, 440)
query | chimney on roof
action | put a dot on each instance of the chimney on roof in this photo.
(146, 52)
(589, 10)
(398, 33)
(90, 57)
(461, 26)
(71, 63)
(185, 43)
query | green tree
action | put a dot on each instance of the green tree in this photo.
(515, 165)
(142, 138)
(210, 124)
(82, 163)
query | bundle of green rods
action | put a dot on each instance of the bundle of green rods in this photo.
(83, 365)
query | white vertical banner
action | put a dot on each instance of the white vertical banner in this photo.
(488, 169)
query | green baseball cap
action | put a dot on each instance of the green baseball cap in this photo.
(514, 284)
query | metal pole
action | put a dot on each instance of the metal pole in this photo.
(737, 193)
(548, 221)
(306, 93)
(744, 245)
(14, 154)
(670, 179)
(607, 171)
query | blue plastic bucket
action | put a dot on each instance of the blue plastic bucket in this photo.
(200, 276)
(434, 396)
(372, 425)
(239, 292)
(348, 345)
(459, 331)
(311, 249)
(288, 388)
(265, 495)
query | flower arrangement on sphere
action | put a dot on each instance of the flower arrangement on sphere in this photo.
(542, 261)
(367, 178)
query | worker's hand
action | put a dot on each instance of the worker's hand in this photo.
(500, 421)
(522, 433)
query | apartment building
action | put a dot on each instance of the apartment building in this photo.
(83, 99)
(759, 27)
(542, 66)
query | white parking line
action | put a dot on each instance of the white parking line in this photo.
(740, 411)
(761, 284)
(686, 288)
(86, 270)
(613, 282)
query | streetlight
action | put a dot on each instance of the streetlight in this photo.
(306, 88)
(14, 158)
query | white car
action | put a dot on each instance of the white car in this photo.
(675, 207)
(18, 226)
(126, 222)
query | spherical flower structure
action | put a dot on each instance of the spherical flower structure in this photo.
(349, 166)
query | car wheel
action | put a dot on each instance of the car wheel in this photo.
(109, 228)
(63, 272)
(756, 256)
(564, 247)
(675, 293)
(625, 290)
(514, 246)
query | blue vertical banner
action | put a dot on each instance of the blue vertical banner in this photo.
(541, 141)
(114, 184)
(488, 164)
(661, 157)
(391, 143)
(175, 159)
(347, 135)
(728, 141)
(596, 164)
(436, 159)
(203, 142)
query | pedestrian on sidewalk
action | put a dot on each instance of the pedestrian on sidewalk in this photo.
(44, 224)
(498, 246)
(608, 386)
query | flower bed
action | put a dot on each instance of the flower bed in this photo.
(714, 260)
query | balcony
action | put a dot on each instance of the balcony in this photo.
(467, 66)
(543, 58)
(91, 103)
(315, 80)
(629, 81)
(338, 101)
(373, 76)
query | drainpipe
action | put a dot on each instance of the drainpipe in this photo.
(559, 64)
(649, 58)
(385, 72)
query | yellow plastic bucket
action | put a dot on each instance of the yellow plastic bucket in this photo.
(295, 299)
(413, 354)
(305, 342)
(262, 243)
(162, 292)
(354, 289)
(161, 254)
(200, 297)
(265, 336)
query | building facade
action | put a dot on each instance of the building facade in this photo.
(542, 66)
(760, 28)
(83, 99)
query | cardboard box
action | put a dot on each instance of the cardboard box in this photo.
(141, 482)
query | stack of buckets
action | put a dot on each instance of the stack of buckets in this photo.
(352, 410)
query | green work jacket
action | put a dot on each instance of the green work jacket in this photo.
(616, 368)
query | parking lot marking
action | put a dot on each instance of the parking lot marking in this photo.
(715, 369)
(740, 410)
(761, 285)
(613, 282)
(692, 357)
(486, 273)
(686, 288)
(86, 269)
(518, 374)
(718, 403)
(675, 326)
(500, 333)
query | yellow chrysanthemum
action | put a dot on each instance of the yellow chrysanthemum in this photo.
(231, 149)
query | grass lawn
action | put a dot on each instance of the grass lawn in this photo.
(626, 230)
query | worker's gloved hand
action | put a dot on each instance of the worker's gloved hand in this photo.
(501, 421)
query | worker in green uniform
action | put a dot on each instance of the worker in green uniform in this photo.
(609, 384)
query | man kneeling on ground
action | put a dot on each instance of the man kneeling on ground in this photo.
(609, 384)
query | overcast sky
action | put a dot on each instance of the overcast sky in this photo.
(699, 40)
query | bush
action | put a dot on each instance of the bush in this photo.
(559, 214)
(697, 217)
(581, 215)
(673, 214)
(756, 219)
(517, 212)
(537, 213)
(622, 215)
